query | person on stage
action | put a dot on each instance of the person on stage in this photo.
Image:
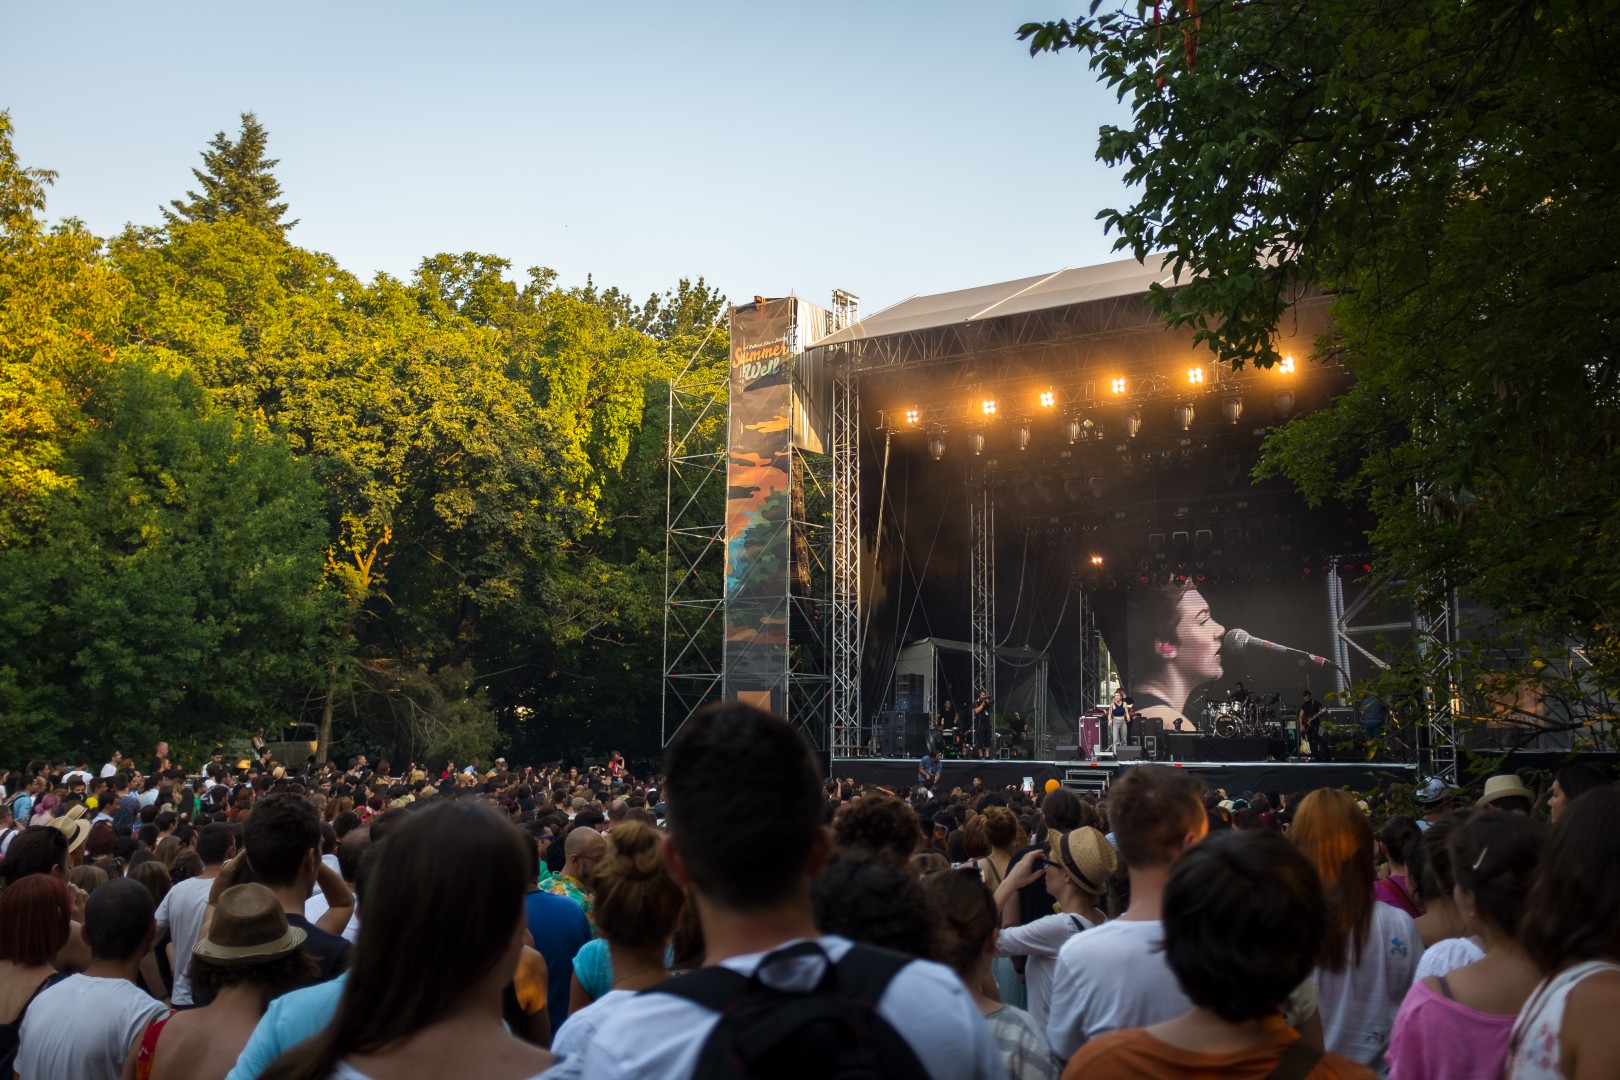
(946, 734)
(1184, 652)
(1237, 695)
(1310, 725)
(1015, 733)
(1119, 719)
(984, 725)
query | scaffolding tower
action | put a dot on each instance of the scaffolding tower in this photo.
(694, 542)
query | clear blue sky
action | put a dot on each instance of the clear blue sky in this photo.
(884, 147)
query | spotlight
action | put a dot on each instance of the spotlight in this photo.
(1133, 423)
(1286, 365)
(1021, 436)
(936, 446)
(1118, 386)
(976, 443)
(1184, 416)
(1232, 408)
(913, 415)
(1071, 429)
(1195, 376)
(1096, 560)
(1284, 402)
(1048, 399)
(989, 406)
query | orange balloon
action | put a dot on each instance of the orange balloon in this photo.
(1052, 785)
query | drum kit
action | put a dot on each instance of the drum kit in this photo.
(1256, 715)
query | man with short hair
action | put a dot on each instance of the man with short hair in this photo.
(183, 907)
(87, 1025)
(282, 842)
(746, 839)
(8, 828)
(583, 848)
(929, 769)
(126, 807)
(160, 761)
(1114, 975)
(616, 811)
(559, 929)
(113, 764)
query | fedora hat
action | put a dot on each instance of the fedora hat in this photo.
(248, 925)
(1086, 856)
(1504, 787)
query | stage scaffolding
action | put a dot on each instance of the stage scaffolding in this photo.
(694, 543)
(846, 563)
(982, 581)
(1438, 630)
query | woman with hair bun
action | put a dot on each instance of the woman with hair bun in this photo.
(1456, 1025)
(637, 908)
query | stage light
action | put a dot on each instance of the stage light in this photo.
(1096, 560)
(1071, 429)
(936, 446)
(1048, 399)
(989, 406)
(1133, 423)
(976, 443)
(1232, 409)
(1195, 376)
(1184, 416)
(1021, 436)
(913, 415)
(1286, 365)
(1284, 402)
(1118, 386)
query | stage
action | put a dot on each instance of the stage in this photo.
(1236, 777)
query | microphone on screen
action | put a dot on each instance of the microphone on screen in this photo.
(1238, 640)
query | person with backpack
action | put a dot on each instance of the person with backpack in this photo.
(776, 999)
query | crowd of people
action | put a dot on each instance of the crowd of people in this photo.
(739, 914)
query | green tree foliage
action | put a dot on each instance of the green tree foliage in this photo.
(1446, 172)
(236, 181)
(174, 589)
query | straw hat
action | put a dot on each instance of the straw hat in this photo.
(1086, 856)
(73, 826)
(248, 926)
(1503, 787)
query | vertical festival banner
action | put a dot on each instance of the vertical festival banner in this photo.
(758, 503)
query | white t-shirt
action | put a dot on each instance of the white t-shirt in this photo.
(659, 1036)
(1358, 1005)
(1040, 941)
(1446, 956)
(83, 1027)
(1112, 977)
(181, 914)
(579, 1030)
(109, 769)
(316, 906)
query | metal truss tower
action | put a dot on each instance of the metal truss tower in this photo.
(810, 672)
(846, 564)
(1438, 636)
(982, 588)
(694, 542)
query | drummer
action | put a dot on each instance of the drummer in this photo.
(1237, 695)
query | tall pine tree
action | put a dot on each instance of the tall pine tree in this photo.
(237, 181)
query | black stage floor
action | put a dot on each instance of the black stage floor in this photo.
(1236, 777)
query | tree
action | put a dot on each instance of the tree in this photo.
(1446, 173)
(236, 181)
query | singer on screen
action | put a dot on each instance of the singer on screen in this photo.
(1182, 646)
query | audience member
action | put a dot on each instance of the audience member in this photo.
(1370, 950)
(1157, 814)
(1567, 1028)
(35, 917)
(87, 1025)
(1243, 927)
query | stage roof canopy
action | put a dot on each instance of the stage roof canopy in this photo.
(1065, 288)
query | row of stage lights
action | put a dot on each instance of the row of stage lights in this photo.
(1075, 428)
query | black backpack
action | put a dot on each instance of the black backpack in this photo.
(833, 1032)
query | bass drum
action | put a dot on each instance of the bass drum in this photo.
(1227, 726)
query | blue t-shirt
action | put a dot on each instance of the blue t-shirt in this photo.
(559, 928)
(929, 767)
(290, 1019)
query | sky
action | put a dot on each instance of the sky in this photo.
(891, 148)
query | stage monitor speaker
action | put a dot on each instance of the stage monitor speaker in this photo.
(903, 734)
(1068, 751)
(1128, 753)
